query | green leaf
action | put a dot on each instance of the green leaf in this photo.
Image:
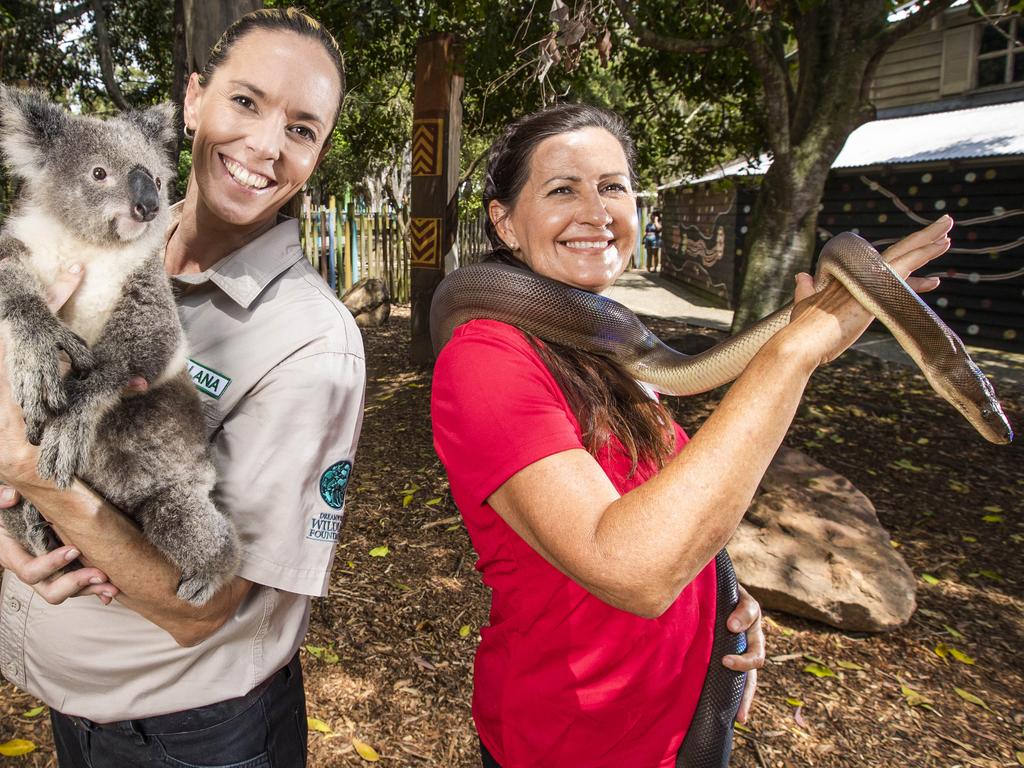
(794, 702)
(915, 699)
(953, 632)
(969, 539)
(993, 518)
(850, 665)
(989, 574)
(381, 551)
(407, 499)
(34, 712)
(819, 670)
(907, 465)
(315, 651)
(970, 697)
(365, 751)
(464, 630)
(743, 729)
(1020, 758)
(994, 508)
(435, 501)
(927, 578)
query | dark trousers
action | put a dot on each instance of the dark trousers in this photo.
(486, 759)
(263, 729)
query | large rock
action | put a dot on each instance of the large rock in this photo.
(811, 545)
(369, 302)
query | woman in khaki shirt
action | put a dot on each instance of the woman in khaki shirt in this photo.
(138, 677)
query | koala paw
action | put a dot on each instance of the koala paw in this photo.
(197, 587)
(41, 539)
(64, 448)
(36, 380)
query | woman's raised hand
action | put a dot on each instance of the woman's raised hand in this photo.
(832, 319)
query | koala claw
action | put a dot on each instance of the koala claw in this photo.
(197, 588)
(63, 450)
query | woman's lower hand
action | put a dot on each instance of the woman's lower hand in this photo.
(43, 572)
(746, 618)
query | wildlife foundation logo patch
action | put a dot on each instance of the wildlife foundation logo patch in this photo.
(333, 483)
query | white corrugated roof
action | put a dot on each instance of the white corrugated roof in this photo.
(980, 132)
(989, 131)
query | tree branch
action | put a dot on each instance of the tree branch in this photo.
(69, 14)
(472, 166)
(664, 42)
(107, 57)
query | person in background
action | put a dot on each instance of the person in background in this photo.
(134, 676)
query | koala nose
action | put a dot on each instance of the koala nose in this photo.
(143, 194)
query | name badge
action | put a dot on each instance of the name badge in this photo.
(207, 380)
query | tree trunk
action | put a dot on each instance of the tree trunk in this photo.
(205, 20)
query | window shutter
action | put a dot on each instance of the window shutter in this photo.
(958, 60)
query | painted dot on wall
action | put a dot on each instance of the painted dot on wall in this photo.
(990, 174)
(974, 277)
(855, 231)
(1009, 334)
(882, 218)
(743, 229)
(823, 235)
(926, 178)
(972, 329)
(998, 210)
(739, 251)
(847, 207)
(940, 205)
(962, 202)
(970, 176)
(912, 190)
(960, 312)
(746, 209)
(942, 301)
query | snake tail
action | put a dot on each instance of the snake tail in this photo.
(708, 741)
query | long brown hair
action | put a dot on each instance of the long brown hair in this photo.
(605, 399)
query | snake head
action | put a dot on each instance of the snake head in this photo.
(971, 393)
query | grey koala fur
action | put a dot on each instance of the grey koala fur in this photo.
(94, 193)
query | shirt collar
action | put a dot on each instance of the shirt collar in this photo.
(243, 274)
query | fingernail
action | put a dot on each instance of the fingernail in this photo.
(108, 594)
(74, 269)
(71, 554)
(6, 494)
(734, 626)
(95, 580)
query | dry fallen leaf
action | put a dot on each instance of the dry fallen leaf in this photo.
(318, 725)
(16, 748)
(970, 697)
(368, 753)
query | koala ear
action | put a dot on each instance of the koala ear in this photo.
(157, 123)
(30, 124)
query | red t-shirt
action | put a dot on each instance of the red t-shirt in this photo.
(561, 678)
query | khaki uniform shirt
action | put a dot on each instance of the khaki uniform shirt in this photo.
(279, 365)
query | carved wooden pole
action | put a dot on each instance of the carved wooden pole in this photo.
(436, 138)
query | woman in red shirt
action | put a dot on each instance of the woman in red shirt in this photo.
(596, 521)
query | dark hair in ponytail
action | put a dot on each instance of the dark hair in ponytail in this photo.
(605, 399)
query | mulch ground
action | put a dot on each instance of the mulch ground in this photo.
(389, 653)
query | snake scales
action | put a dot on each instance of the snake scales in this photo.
(555, 312)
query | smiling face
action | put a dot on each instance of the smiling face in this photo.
(575, 218)
(261, 124)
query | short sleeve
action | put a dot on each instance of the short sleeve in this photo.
(284, 457)
(495, 409)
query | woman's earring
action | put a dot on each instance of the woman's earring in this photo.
(190, 133)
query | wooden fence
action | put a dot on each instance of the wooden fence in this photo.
(346, 246)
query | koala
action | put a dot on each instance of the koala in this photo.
(94, 192)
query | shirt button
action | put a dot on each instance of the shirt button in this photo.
(14, 604)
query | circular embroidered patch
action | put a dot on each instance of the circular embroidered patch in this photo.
(333, 483)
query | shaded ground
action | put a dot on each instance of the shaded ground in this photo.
(393, 644)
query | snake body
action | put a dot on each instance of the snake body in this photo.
(558, 313)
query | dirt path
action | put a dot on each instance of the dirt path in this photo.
(392, 647)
